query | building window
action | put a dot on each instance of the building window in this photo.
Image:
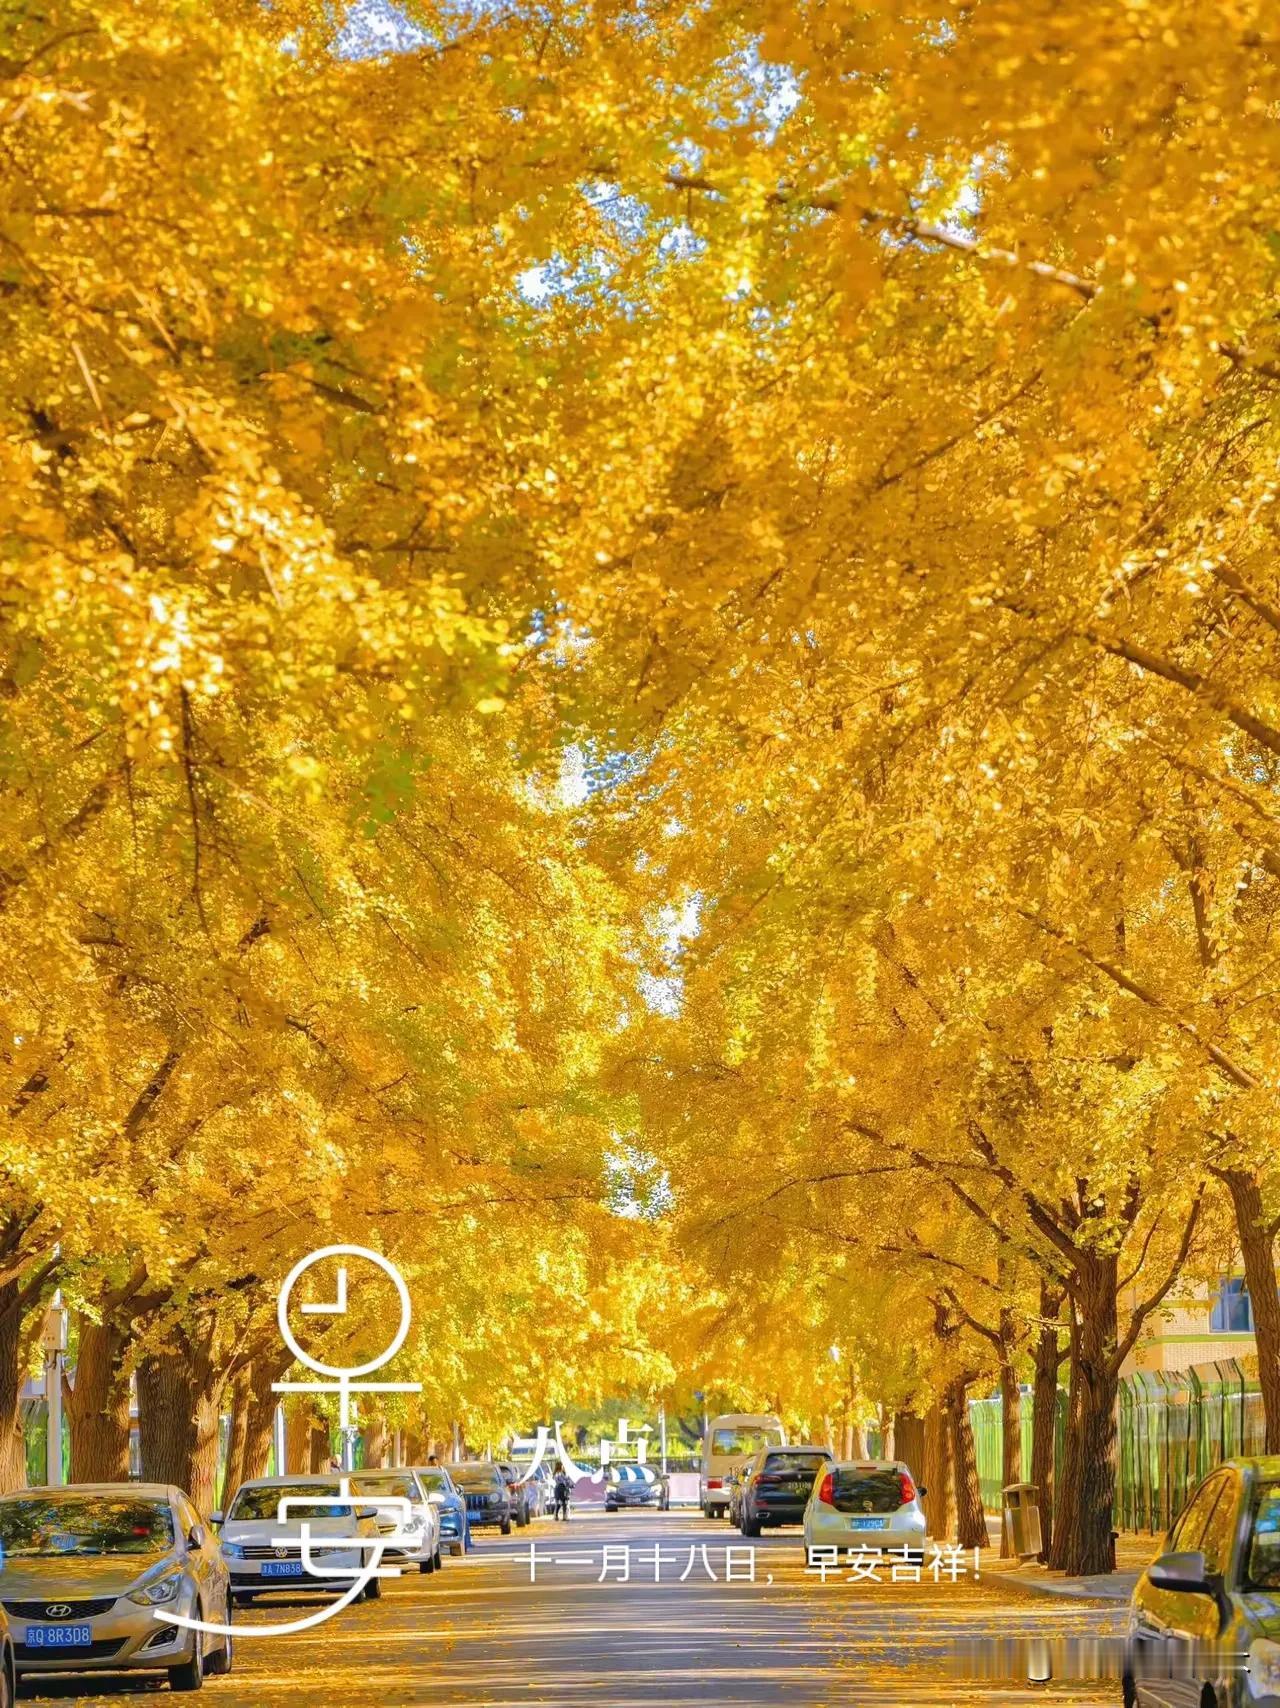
(1232, 1312)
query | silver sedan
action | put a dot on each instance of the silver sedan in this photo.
(87, 1569)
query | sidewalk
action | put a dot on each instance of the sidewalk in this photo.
(1133, 1552)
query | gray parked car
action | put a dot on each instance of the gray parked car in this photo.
(88, 1568)
(486, 1491)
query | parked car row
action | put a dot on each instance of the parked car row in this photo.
(86, 1570)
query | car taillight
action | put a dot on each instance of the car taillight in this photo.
(827, 1490)
(715, 1482)
(908, 1488)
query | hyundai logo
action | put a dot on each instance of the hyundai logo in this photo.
(59, 1610)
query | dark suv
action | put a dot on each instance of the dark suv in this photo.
(520, 1490)
(486, 1493)
(776, 1484)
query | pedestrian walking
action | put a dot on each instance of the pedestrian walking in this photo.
(563, 1489)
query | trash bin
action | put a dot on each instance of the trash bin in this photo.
(1022, 1519)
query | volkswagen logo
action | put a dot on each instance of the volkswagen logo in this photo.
(281, 1554)
(58, 1610)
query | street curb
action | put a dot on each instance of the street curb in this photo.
(1113, 1586)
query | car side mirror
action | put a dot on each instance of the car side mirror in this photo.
(197, 1537)
(219, 1518)
(1184, 1572)
(366, 1512)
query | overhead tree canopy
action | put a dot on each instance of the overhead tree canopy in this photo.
(689, 576)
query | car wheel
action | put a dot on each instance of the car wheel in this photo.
(190, 1675)
(8, 1679)
(425, 1566)
(506, 1527)
(457, 1550)
(372, 1590)
(750, 1526)
(221, 1663)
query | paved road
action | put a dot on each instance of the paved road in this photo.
(480, 1633)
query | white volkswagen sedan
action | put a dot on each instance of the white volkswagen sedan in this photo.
(263, 1549)
(865, 1503)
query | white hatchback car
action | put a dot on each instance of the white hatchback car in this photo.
(865, 1503)
(263, 1552)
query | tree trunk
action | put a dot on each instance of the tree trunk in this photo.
(1067, 1494)
(1257, 1245)
(971, 1519)
(321, 1447)
(1089, 1541)
(908, 1442)
(297, 1431)
(888, 1445)
(1044, 1412)
(259, 1433)
(375, 1442)
(13, 1447)
(179, 1398)
(858, 1431)
(1010, 1443)
(241, 1401)
(97, 1403)
(940, 1500)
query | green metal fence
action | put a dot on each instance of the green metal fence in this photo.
(1173, 1427)
(987, 1419)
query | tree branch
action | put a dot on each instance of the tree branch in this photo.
(1144, 1308)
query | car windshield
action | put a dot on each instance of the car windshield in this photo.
(387, 1483)
(256, 1505)
(1263, 1570)
(795, 1464)
(434, 1480)
(82, 1524)
(476, 1476)
(742, 1440)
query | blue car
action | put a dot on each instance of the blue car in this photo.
(455, 1532)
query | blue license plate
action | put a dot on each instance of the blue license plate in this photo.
(858, 1522)
(282, 1568)
(59, 1636)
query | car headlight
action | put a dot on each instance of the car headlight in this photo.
(1262, 1670)
(157, 1593)
(233, 1550)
